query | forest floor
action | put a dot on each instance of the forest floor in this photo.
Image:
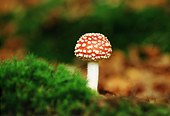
(143, 72)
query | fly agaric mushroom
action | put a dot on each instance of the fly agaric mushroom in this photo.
(93, 47)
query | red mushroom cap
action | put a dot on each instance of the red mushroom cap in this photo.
(93, 47)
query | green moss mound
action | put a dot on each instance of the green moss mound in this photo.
(33, 87)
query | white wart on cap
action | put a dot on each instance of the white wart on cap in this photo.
(93, 47)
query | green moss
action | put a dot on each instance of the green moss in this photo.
(127, 107)
(33, 87)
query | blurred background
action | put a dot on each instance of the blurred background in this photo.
(139, 31)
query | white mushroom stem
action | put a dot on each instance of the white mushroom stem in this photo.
(92, 75)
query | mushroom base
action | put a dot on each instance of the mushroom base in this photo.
(92, 75)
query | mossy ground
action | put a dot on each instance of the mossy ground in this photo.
(34, 87)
